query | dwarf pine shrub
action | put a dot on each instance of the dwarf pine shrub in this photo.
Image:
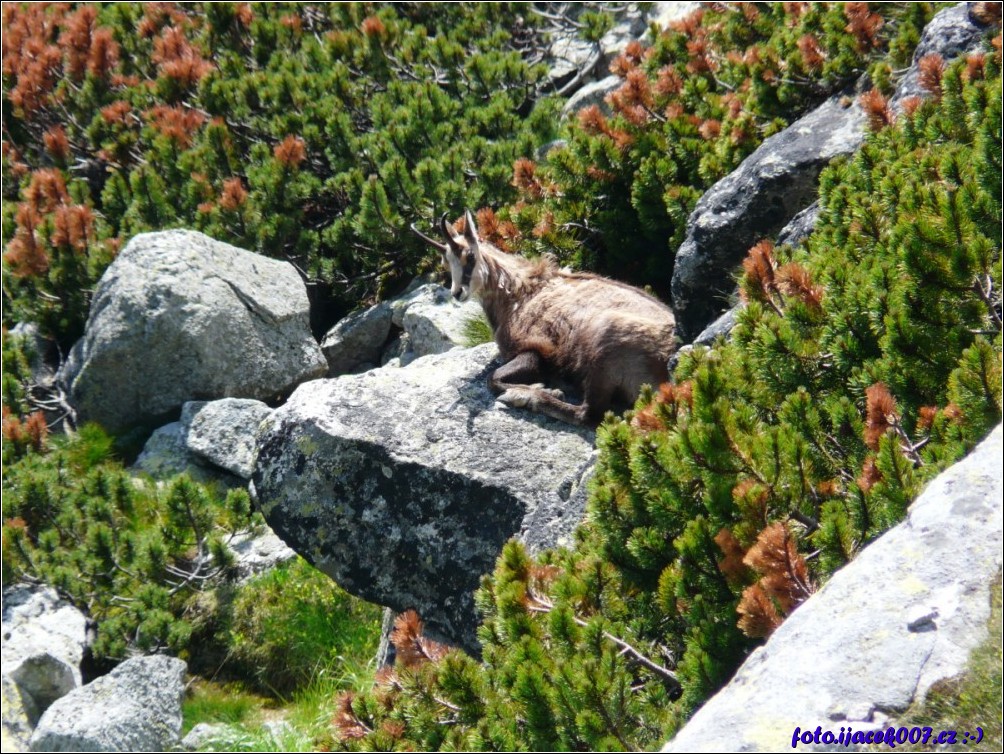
(689, 109)
(130, 554)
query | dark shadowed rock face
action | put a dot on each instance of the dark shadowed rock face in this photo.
(179, 317)
(754, 202)
(403, 484)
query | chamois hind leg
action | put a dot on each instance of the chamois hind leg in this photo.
(521, 372)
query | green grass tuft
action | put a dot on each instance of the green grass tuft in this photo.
(293, 625)
(208, 702)
(476, 331)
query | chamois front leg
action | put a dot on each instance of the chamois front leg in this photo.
(544, 401)
(522, 372)
(515, 384)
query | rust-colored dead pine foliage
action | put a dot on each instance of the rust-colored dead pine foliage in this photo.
(758, 618)
(291, 151)
(784, 581)
(759, 266)
(931, 68)
(665, 405)
(732, 566)
(880, 414)
(177, 59)
(347, 724)
(795, 281)
(413, 649)
(876, 108)
(863, 24)
(812, 53)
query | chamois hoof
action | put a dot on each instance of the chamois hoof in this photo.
(539, 387)
(516, 397)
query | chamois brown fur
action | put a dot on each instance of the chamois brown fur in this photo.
(605, 337)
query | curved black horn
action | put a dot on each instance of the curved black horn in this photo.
(452, 237)
(430, 241)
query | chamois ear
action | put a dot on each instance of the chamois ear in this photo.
(453, 238)
(470, 231)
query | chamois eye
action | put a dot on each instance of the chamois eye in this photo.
(465, 257)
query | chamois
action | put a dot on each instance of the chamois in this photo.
(605, 337)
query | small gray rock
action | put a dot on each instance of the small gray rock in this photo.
(166, 455)
(800, 227)
(432, 320)
(665, 13)
(594, 93)
(357, 340)
(259, 553)
(44, 638)
(222, 433)
(202, 736)
(136, 707)
(37, 348)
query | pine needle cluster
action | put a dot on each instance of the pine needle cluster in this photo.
(131, 555)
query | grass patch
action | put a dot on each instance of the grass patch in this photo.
(972, 699)
(296, 640)
(294, 625)
(476, 330)
(208, 702)
(300, 725)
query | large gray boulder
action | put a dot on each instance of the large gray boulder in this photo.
(901, 616)
(403, 484)
(44, 638)
(136, 707)
(754, 202)
(179, 317)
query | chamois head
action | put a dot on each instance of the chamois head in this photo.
(461, 255)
